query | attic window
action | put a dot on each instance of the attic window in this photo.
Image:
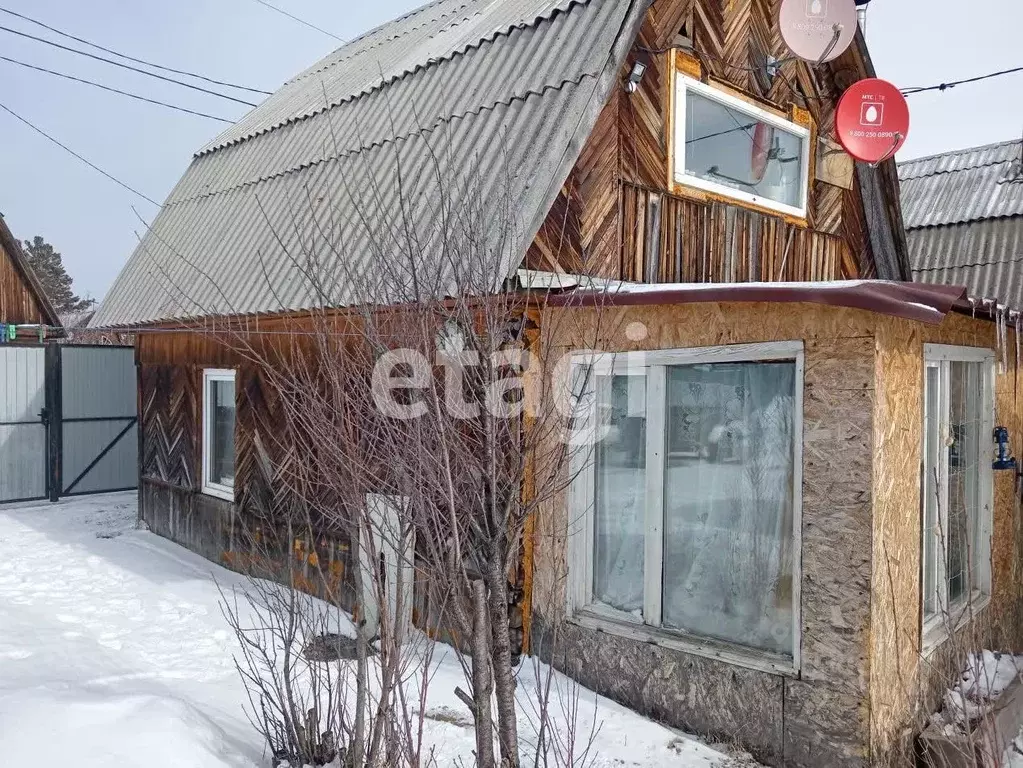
(734, 149)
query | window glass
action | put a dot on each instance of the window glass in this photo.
(728, 503)
(732, 148)
(963, 476)
(221, 437)
(956, 431)
(620, 499)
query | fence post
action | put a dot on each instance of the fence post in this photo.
(54, 422)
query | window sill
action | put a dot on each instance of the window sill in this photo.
(935, 631)
(219, 491)
(632, 629)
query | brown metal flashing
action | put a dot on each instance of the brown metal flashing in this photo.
(12, 247)
(912, 301)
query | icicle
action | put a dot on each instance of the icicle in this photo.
(1002, 314)
(973, 306)
(1019, 315)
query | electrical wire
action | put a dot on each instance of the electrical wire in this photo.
(116, 90)
(125, 66)
(131, 58)
(954, 83)
(300, 21)
(70, 151)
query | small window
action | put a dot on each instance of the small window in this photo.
(956, 486)
(218, 414)
(727, 146)
(690, 499)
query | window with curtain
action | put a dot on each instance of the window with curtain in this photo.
(955, 485)
(731, 147)
(690, 496)
(218, 432)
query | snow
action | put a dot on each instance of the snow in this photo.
(114, 651)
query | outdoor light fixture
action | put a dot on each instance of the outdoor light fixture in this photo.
(638, 70)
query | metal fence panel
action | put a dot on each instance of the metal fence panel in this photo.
(22, 433)
(99, 430)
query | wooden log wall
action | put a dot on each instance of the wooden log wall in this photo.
(594, 227)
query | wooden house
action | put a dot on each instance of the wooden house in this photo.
(670, 143)
(22, 299)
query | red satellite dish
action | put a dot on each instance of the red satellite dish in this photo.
(872, 121)
(809, 27)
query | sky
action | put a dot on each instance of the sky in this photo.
(90, 219)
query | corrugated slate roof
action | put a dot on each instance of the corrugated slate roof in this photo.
(966, 185)
(463, 99)
(964, 218)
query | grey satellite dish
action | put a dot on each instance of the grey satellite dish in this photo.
(818, 30)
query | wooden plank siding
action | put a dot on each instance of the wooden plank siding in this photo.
(18, 302)
(601, 222)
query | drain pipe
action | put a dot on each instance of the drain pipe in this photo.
(861, 14)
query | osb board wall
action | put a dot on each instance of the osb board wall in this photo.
(589, 229)
(904, 689)
(820, 718)
(17, 302)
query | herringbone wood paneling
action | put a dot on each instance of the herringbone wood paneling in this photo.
(171, 434)
(592, 229)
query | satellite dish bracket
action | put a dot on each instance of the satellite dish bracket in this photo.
(895, 145)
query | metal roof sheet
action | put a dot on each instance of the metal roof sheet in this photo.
(486, 101)
(966, 185)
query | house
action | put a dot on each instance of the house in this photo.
(22, 299)
(763, 558)
(964, 220)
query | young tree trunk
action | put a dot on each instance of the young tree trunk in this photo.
(504, 678)
(482, 683)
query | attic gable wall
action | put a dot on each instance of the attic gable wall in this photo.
(600, 223)
(18, 303)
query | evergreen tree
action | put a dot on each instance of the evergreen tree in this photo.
(49, 268)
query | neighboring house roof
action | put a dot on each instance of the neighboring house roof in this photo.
(12, 247)
(504, 91)
(77, 320)
(964, 220)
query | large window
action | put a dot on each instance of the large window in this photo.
(218, 433)
(686, 509)
(956, 485)
(727, 146)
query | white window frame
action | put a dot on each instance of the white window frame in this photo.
(934, 629)
(683, 85)
(209, 376)
(582, 500)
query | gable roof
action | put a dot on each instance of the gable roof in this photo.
(964, 219)
(9, 244)
(505, 91)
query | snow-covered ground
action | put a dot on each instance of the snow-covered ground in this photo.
(114, 652)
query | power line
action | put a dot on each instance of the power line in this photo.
(115, 90)
(70, 151)
(126, 66)
(954, 83)
(132, 58)
(300, 21)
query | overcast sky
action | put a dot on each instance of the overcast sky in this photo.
(87, 217)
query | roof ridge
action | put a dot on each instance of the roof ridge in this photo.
(960, 151)
(311, 71)
(478, 45)
(376, 144)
